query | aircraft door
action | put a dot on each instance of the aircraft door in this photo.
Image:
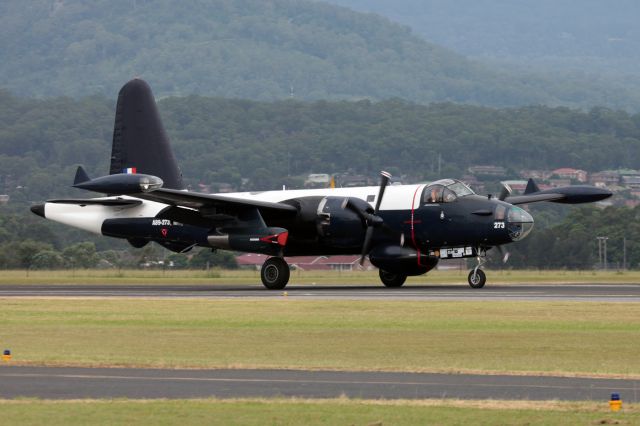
(432, 218)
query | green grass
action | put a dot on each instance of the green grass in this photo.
(212, 277)
(555, 337)
(307, 412)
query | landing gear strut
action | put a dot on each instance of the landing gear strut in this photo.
(477, 277)
(389, 279)
(274, 273)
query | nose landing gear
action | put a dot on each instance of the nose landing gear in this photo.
(477, 277)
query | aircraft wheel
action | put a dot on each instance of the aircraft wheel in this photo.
(477, 278)
(274, 273)
(390, 279)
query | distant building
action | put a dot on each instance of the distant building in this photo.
(488, 170)
(559, 182)
(355, 180)
(4, 199)
(516, 185)
(317, 179)
(605, 178)
(535, 174)
(631, 181)
(573, 174)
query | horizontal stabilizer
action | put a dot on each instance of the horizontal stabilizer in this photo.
(111, 202)
(81, 176)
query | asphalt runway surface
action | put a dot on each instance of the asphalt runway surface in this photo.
(528, 292)
(77, 383)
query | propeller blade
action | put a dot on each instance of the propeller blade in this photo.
(374, 220)
(503, 254)
(366, 245)
(504, 192)
(384, 181)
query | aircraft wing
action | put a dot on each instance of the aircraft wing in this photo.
(198, 201)
(535, 198)
(576, 194)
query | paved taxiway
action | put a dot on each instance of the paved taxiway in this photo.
(74, 383)
(531, 292)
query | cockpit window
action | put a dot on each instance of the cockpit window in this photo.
(449, 196)
(433, 194)
(460, 189)
(445, 191)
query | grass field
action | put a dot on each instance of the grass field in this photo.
(310, 412)
(556, 337)
(212, 277)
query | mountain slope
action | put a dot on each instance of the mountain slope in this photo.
(591, 41)
(258, 49)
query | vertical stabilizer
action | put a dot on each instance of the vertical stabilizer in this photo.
(81, 176)
(140, 143)
(531, 188)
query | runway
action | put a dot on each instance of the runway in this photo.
(76, 383)
(525, 292)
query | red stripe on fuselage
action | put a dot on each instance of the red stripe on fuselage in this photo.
(413, 222)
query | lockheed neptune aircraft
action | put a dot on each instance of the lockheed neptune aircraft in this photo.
(403, 229)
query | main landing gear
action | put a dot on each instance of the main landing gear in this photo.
(477, 277)
(390, 279)
(275, 273)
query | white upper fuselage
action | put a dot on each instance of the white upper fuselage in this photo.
(91, 217)
(396, 197)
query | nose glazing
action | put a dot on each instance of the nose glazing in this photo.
(519, 223)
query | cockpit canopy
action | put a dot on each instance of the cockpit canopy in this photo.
(445, 191)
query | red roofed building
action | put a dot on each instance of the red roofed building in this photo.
(573, 174)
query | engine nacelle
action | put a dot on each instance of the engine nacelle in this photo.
(338, 225)
(401, 260)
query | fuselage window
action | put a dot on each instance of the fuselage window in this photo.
(500, 212)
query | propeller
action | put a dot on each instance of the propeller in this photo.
(374, 220)
(504, 192)
(503, 254)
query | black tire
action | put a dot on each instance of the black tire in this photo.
(389, 279)
(274, 273)
(478, 279)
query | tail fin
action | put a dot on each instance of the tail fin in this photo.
(81, 176)
(531, 187)
(139, 140)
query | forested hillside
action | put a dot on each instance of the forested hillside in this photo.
(589, 36)
(222, 140)
(257, 49)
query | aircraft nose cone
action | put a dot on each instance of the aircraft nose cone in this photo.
(38, 209)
